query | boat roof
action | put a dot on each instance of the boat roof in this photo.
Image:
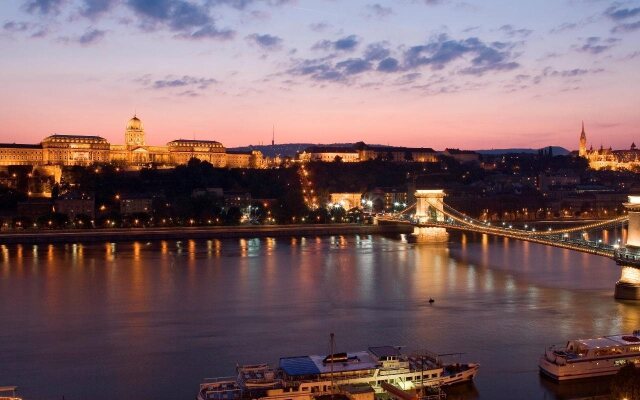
(385, 351)
(8, 388)
(606, 341)
(314, 365)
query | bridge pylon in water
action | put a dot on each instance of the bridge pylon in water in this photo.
(628, 287)
(430, 208)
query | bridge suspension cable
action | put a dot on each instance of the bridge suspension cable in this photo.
(466, 220)
(407, 209)
(455, 219)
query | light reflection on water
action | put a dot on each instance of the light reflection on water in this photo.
(150, 320)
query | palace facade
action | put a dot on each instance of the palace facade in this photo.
(68, 150)
(607, 158)
(361, 151)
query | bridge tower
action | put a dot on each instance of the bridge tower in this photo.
(430, 208)
(628, 287)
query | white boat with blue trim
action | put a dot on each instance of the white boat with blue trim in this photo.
(308, 377)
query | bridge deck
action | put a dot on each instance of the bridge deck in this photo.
(556, 238)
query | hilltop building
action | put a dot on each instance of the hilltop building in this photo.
(608, 158)
(67, 150)
(363, 152)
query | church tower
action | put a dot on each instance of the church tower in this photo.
(134, 135)
(582, 150)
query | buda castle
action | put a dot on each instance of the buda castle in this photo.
(68, 150)
(606, 158)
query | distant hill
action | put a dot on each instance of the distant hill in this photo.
(286, 149)
(557, 150)
(290, 149)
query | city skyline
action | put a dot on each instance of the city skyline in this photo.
(432, 73)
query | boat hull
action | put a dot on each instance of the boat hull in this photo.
(578, 370)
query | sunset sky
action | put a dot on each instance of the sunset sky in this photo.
(434, 73)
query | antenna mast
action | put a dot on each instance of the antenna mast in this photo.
(332, 346)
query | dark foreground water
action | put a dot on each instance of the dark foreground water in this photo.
(150, 320)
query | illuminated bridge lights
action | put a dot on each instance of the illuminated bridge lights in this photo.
(630, 275)
(557, 238)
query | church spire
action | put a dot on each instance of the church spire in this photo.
(582, 149)
(273, 135)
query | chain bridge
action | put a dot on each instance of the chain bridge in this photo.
(432, 218)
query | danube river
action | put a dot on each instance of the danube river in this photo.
(150, 320)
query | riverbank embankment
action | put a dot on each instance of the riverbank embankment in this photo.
(178, 233)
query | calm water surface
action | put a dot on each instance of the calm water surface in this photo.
(150, 320)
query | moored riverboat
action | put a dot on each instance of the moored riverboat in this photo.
(9, 393)
(308, 377)
(591, 358)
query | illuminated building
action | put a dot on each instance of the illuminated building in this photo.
(68, 150)
(330, 154)
(608, 158)
(361, 151)
(346, 200)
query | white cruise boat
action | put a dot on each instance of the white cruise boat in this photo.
(9, 393)
(307, 377)
(589, 358)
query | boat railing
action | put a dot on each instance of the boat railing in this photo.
(427, 355)
(436, 396)
(338, 377)
(221, 379)
(394, 371)
(254, 368)
(296, 383)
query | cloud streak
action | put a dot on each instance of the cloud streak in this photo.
(266, 41)
(596, 45)
(181, 86)
(95, 8)
(626, 19)
(43, 7)
(15, 26)
(443, 51)
(513, 32)
(345, 44)
(470, 56)
(190, 20)
(378, 11)
(89, 37)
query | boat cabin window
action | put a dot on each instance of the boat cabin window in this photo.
(610, 351)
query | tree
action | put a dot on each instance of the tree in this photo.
(338, 214)
(53, 220)
(233, 216)
(83, 221)
(337, 159)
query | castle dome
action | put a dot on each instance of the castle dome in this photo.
(134, 124)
